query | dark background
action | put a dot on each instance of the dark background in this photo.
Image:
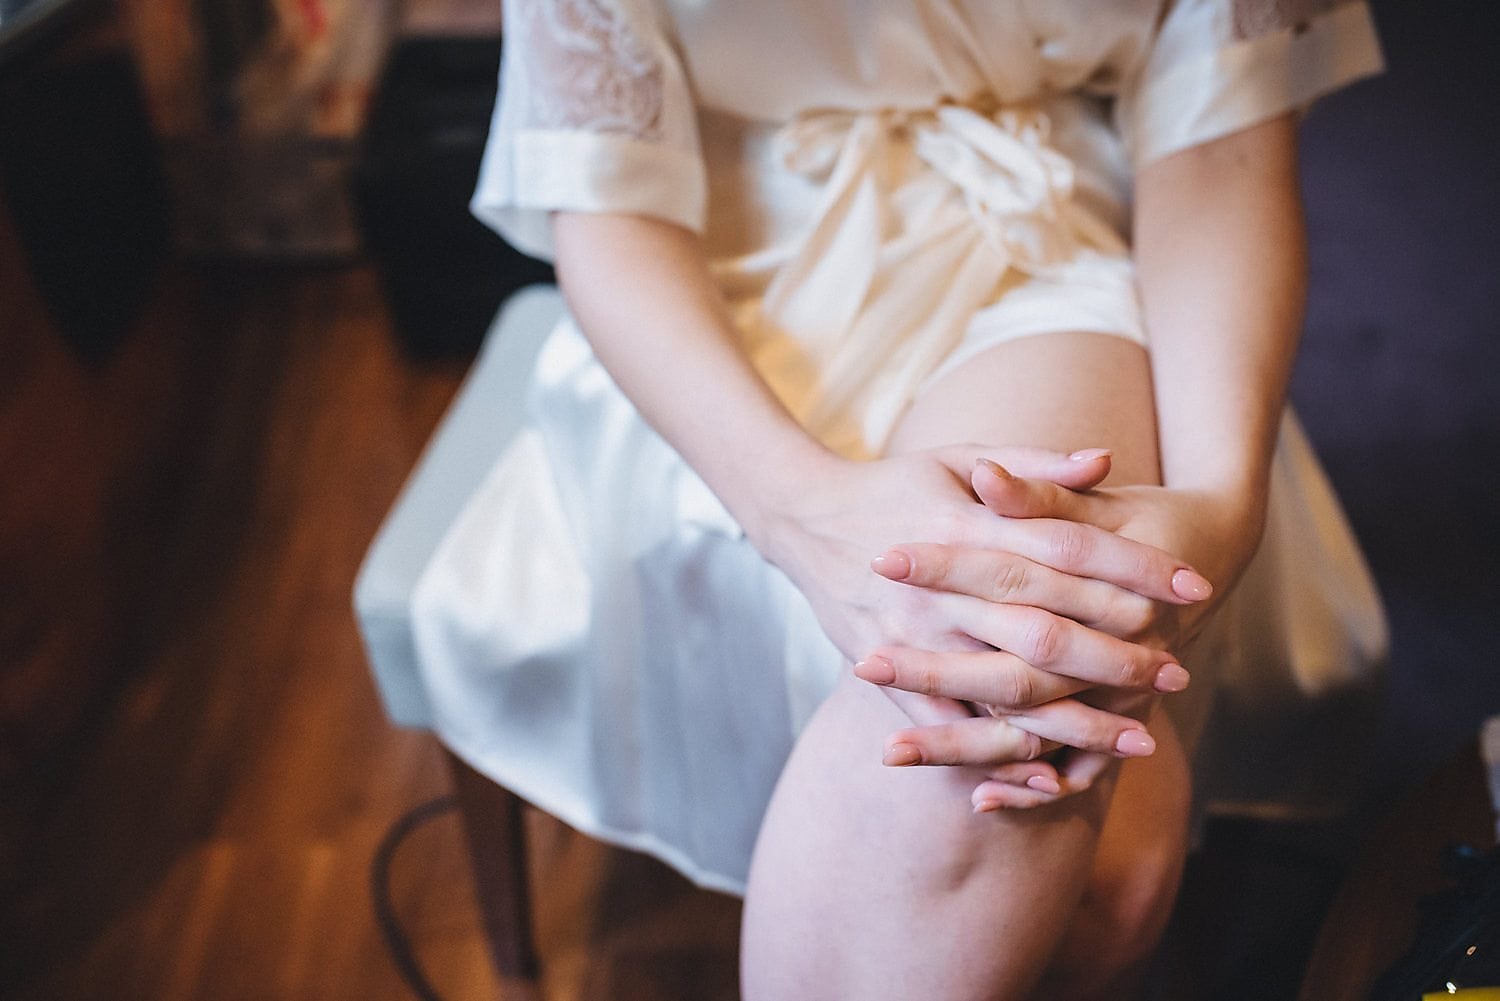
(1399, 377)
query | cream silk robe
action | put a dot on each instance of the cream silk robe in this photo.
(885, 187)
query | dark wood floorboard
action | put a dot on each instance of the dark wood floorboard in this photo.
(197, 766)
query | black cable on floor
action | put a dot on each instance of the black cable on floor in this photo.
(396, 940)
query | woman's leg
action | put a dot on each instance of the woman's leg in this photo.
(1138, 864)
(872, 882)
(1137, 867)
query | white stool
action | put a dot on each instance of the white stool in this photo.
(484, 416)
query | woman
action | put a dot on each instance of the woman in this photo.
(877, 281)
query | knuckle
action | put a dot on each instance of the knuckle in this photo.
(1103, 732)
(1136, 669)
(1071, 546)
(928, 679)
(1052, 498)
(1144, 566)
(1011, 580)
(934, 563)
(1030, 745)
(1017, 687)
(1135, 615)
(1044, 638)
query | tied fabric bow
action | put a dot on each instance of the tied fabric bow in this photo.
(921, 215)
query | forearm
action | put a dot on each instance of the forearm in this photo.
(1222, 262)
(642, 294)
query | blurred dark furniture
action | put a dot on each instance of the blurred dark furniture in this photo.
(443, 273)
(79, 168)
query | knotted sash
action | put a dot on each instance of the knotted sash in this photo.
(921, 215)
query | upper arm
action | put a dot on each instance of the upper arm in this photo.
(1255, 167)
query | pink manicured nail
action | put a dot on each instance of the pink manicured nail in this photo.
(876, 670)
(1044, 783)
(1090, 454)
(986, 805)
(1190, 585)
(898, 755)
(892, 564)
(1135, 744)
(995, 468)
(1172, 678)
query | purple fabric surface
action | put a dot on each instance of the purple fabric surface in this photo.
(1399, 378)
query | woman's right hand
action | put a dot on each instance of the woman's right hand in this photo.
(1071, 585)
(1216, 530)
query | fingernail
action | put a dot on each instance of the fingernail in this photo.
(898, 755)
(876, 670)
(986, 805)
(1135, 744)
(1172, 678)
(995, 468)
(1190, 585)
(892, 564)
(1044, 783)
(1090, 454)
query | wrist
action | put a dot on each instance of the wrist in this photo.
(1235, 488)
(1239, 510)
(1229, 522)
(779, 494)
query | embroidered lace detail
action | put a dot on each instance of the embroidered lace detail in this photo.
(589, 69)
(1253, 18)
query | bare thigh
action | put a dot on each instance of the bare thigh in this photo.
(1060, 391)
(877, 883)
(1138, 862)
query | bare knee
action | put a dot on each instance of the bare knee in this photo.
(1131, 889)
(1132, 909)
(1115, 933)
(898, 891)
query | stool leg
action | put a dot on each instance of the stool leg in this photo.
(497, 855)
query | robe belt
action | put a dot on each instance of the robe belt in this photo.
(920, 216)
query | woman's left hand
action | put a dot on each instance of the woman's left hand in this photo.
(1212, 533)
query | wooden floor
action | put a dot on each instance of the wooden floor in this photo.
(196, 769)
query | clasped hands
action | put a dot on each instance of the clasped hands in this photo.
(1032, 636)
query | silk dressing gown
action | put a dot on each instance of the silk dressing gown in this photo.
(884, 188)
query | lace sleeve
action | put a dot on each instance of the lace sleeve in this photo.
(591, 70)
(594, 115)
(1218, 66)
